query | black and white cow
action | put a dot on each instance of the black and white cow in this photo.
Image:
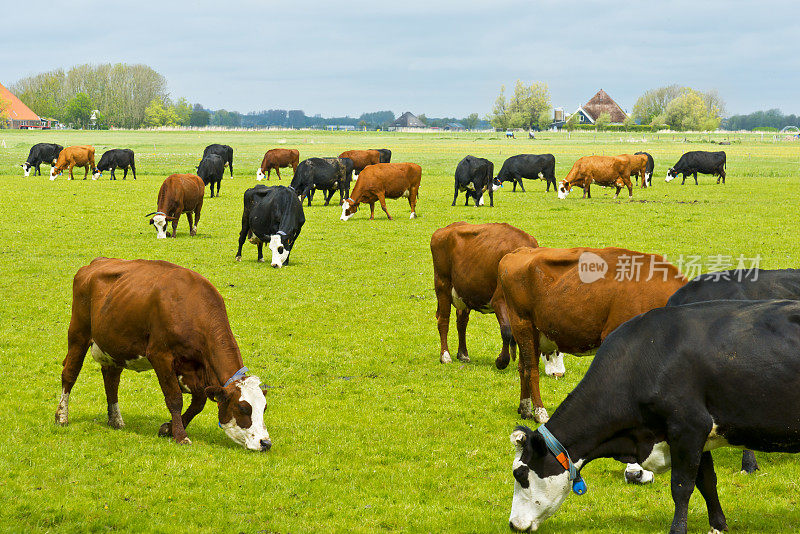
(211, 170)
(41, 153)
(116, 157)
(707, 375)
(327, 174)
(528, 166)
(648, 170)
(223, 151)
(272, 215)
(699, 161)
(474, 176)
(386, 154)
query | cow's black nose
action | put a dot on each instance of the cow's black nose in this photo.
(265, 444)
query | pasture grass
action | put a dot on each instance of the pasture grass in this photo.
(370, 432)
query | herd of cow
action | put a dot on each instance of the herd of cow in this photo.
(680, 367)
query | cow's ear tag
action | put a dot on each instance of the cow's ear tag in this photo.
(579, 486)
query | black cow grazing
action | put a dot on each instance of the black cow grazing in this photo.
(474, 176)
(528, 166)
(116, 157)
(211, 170)
(648, 171)
(41, 153)
(223, 151)
(712, 163)
(386, 154)
(272, 215)
(667, 387)
(327, 174)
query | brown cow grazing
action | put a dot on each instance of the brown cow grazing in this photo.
(180, 193)
(74, 156)
(143, 315)
(572, 299)
(361, 158)
(637, 165)
(382, 181)
(277, 158)
(465, 259)
(606, 171)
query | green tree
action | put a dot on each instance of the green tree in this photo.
(423, 119)
(689, 111)
(654, 102)
(499, 117)
(183, 111)
(602, 121)
(628, 122)
(3, 112)
(572, 122)
(527, 105)
(154, 114)
(79, 110)
(545, 120)
(199, 116)
(470, 121)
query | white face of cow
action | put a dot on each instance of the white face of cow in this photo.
(345, 207)
(563, 190)
(535, 498)
(250, 408)
(279, 253)
(671, 175)
(259, 175)
(97, 174)
(160, 222)
(53, 173)
(26, 169)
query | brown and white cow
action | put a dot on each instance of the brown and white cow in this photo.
(277, 158)
(143, 315)
(74, 156)
(382, 181)
(180, 193)
(637, 166)
(606, 171)
(571, 299)
(465, 259)
(361, 159)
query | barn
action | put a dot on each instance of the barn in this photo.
(601, 103)
(17, 114)
(407, 120)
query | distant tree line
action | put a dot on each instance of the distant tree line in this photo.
(770, 119)
(680, 108)
(529, 107)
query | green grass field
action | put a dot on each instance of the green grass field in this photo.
(370, 432)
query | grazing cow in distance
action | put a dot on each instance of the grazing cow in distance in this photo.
(223, 151)
(272, 215)
(143, 315)
(71, 157)
(571, 299)
(607, 171)
(382, 181)
(361, 158)
(691, 163)
(465, 259)
(275, 159)
(648, 171)
(637, 166)
(385, 155)
(180, 193)
(664, 391)
(211, 170)
(116, 157)
(530, 166)
(474, 176)
(326, 174)
(41, 153)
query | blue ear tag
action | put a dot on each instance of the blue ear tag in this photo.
(579, 486)
(220, 425)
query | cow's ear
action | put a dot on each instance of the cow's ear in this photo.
(216, 394)
(151, 221)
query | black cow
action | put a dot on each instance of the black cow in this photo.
(326, 174)
(386, 154)
(272, 215)
(474, 176)
(528, 166)
(648, 171)
(712, 163)
(223, 151)
(116, 157)
(211, 170)
(41, 153)
(667, 387)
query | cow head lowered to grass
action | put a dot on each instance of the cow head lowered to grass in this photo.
(241, 407)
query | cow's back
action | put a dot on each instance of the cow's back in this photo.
(393, 179)
(185, 190)
(79, 155)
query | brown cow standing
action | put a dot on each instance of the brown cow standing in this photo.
(277, 158)
(143, 315)
(637, 166)
(180, 193)
(382, 181)
(606, 171)
(361, 159)
(465, 259)
(572, 299)
(74, 156)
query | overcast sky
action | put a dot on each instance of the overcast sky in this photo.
(441, 58)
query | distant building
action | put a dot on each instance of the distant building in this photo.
(18, 115)
(407, 120)
(601, 103)
(454, 127)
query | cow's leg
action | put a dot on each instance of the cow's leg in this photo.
(412, 201)
(113, 176)
(466, 199)
(462, 318)
(616, 194)
(707, 484)
(443, 304)
(695, 178)
(328, 195)
(195, 407)
(218, 186)
(382, 200)
(455, 195)
(191, 223)
(371, 210)
(501, 313)
(230, 167)
(37, 171)
(163, 367)
(749, 463)
(78, 341)
(629, 185)
(133, 170)
(521, 187)
(111, 376)
(269, 171)
(175, 224)
(71, 177)
(260, 251)
(125, 172)
(530, 400)
(242, 235)
(686, 447)
(278, 171)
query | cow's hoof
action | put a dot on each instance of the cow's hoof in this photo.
(501, 362)
(413, 215)
(261, 260)
(238, 258)
(184, 441)
(524, 409)
(637, 475)
(165, 430)
(116, 423)
(445, 357)
(540, 415)
(463, 357)
(61, 419)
